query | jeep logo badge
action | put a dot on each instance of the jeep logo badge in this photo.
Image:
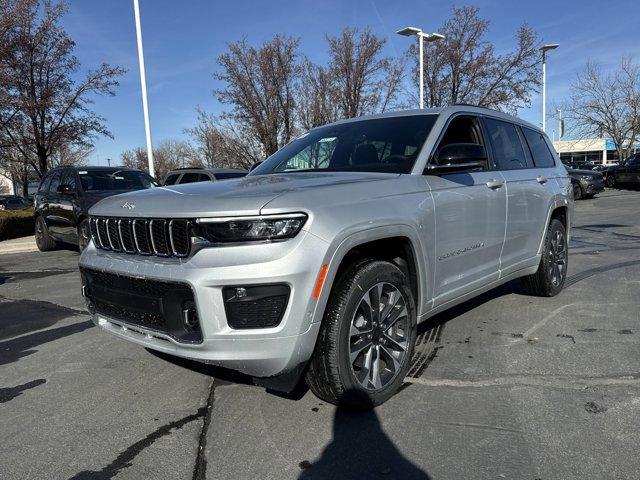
(128, 205)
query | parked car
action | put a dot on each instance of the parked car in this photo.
(13, 202)
(192, 175)
(65, 195)
(586, 183)
(322, 261)
(626, 172)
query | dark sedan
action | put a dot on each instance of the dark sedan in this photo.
(586, 183)
(66, 194)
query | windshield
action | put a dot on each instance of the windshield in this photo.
(94, 180)
(388, 145)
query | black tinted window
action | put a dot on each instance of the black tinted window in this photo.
(388, 145)
(55, 182)
(44, 184)
(69, 178)
(542, 156)
(172, 179)
(192, 177)
(508, 153)
(225, 176)
(115, 180)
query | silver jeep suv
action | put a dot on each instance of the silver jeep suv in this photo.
(323, 260)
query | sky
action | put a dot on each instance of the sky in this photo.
(182, 40)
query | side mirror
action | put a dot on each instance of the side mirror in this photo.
(66, 189)
(459, 157)
(255, 165)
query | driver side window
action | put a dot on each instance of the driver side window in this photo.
(464, 130)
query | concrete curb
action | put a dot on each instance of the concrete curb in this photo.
(18, 245)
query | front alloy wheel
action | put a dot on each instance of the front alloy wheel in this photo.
(366, 338)
(379, 336)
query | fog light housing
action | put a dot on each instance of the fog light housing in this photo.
(190, 316)
(257, 306)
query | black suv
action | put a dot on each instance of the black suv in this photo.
(626, 173)
(65, 195)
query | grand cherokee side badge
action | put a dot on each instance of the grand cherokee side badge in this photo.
(128, 205)
(455, 253)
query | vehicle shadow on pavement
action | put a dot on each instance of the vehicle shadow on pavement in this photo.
(360, 449)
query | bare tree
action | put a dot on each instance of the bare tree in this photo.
(44, 106)
(259, 85)
(167, 155)
(363, 80)
(316, 103)
(606, 104)
(222, 144)
(464, 67)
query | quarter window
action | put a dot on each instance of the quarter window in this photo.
(508, 153)
(542, 156)
(55, 182)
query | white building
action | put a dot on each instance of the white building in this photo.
(591, 150)
(6, 185)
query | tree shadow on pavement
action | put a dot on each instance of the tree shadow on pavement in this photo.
(360, 449)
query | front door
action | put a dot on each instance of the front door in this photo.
(470, 211)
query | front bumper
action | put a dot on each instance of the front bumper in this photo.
(259, 352)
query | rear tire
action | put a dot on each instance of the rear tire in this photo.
(361, 357)
(611, 181)
(44, 241)
(577, 192)
(549, 280)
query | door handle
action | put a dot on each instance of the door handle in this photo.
(494, 184)
(542, 180)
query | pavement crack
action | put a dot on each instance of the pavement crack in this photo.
(125, 458)
(200, 467)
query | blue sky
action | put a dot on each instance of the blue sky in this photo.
(183, 38)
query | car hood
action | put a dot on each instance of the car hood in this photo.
(241, 196)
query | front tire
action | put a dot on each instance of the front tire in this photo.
(549, 280)
(611, 181)
(367, 337)
(577, 192)
(44, 241)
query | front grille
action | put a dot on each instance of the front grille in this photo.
(144, 236)
(166, 307)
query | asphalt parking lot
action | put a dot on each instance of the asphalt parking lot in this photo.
(503, 386)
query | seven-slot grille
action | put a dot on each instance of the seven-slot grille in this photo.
(157, 236)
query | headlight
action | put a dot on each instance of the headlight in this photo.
(586, 178)
(251, 229)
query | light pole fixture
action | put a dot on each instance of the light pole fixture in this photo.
(429, 37)
(143, 85)
(544, 49)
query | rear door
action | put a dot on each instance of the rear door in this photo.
(470, 211)
(527, 197)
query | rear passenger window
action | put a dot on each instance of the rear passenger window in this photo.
(542, 156)
(172, 179)
(190, 177)
(506, 146)
(204, 178)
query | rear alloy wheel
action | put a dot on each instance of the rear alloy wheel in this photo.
(44, 242)
(552, 272)
(84, 235)
(367, 337)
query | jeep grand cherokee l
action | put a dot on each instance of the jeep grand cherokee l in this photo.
(322, 261)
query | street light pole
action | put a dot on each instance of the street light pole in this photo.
(544, 49)
(143, 84)
(429, 37)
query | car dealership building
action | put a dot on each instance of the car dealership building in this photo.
(588, 151)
